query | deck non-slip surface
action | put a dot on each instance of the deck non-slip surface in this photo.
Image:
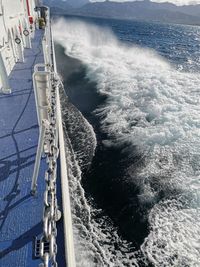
(20, 213)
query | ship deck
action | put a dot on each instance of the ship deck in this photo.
(20, 213)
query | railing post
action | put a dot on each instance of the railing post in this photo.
(46, 54)
(20, 53)
(27, 38)
(4, 77)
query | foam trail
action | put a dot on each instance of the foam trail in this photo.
(95, 239)
(155, 109)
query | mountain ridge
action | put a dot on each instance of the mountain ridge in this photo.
(137, 10)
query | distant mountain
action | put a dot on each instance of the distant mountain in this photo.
(61, 5)
(65, 3)
(138, 10)
(193, 10)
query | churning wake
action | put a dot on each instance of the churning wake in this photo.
(95, 238)
(154, 110)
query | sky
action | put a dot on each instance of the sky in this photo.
(177, 2)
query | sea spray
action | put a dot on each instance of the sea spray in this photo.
(153, 109)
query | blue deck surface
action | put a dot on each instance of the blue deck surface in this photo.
(20, 213)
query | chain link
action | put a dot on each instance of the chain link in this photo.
(51, 213)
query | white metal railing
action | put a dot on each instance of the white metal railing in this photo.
(46, 88)
(68, 230)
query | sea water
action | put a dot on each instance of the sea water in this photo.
(132, 129)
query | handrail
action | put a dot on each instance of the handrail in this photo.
(68, 231)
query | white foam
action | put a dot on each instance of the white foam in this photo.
(174, 237)
(95, 239)
(151, 106)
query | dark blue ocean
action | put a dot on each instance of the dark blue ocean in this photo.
(132, 124)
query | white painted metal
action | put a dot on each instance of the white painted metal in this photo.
(43, 128)
(49, 54)
(14, 19)
(41, 83)
(67, 221)
(26, 33)
(12, 47)
(68, 229)
(4, 77)
(45, 52)
(27, 41)
(20, 50)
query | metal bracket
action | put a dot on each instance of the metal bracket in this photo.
(37, 248)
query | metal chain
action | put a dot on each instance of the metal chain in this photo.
(51, 213)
